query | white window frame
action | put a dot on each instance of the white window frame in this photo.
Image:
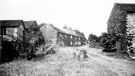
(71, 36)
(62, 36)
(76, 43)
(15, 32)
(71, 43)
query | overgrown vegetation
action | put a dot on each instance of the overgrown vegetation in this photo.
(93, 41)
(33, 39)
(106, 41)
(111, 43)
(26, 47)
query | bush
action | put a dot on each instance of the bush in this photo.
(108, 42)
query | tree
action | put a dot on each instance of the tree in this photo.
(108, 41)
(93, 41)
(92, 38)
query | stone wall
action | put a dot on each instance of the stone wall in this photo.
(50, 35)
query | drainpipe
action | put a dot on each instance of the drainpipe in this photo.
(1, 39)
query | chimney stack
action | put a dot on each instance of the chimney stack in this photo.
(65, 27)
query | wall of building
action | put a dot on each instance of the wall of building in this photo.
(68, 40)
(0, 42)
(50, 35)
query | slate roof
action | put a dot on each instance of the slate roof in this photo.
(57, 29)
(64, 31)
(10, 23)
(28, 24)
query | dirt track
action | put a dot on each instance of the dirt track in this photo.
(63, 64)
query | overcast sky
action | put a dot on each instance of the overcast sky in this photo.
(88, 16)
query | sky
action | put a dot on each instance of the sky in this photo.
(88, 16)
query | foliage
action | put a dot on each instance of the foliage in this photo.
(33, 39)
(93, 41)
(27, 46)
(93, 38)
(108, 42)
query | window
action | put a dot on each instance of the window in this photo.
(79, 43)
(76, 43)
(3, 31)
(61, 35)
(71, 36)
(71, 43)
(15, 32)
(79, 38)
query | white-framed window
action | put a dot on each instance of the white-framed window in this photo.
(79, 43)
(71, 43)
(79, 38)
(76, 43)
(15, 32)
(71, 36)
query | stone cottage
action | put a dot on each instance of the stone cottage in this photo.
(122, 16)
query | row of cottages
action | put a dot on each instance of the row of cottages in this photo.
(121, 19)
(10, 31)
(62, 37)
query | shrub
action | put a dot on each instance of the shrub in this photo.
(108, 42)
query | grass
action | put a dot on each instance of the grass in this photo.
(15, 68)
(20, 67)
(61, 64)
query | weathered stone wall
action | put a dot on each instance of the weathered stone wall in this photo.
(50, 35)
